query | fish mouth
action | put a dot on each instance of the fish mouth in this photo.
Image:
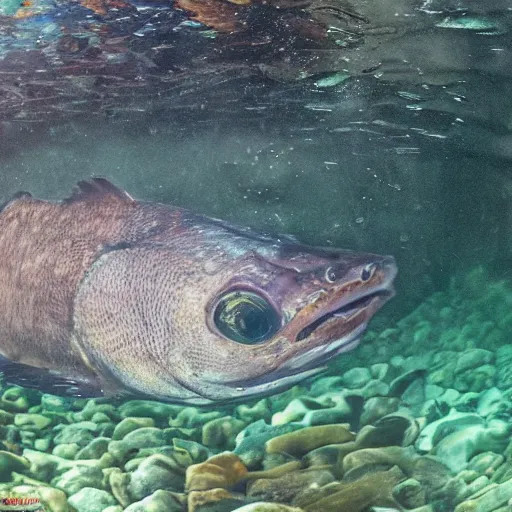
(346, 312)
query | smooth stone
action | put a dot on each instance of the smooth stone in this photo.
(450, 397)
(303, 441)
(214, 500)
(432, 392)
(92, 407)
(191, 417)
(81, 433)
(66, 451)
(148, 409)
(453, 422)
(486, 462)
(159, 501)
(127, 425)
(286, 487)
(100, 417)
(6, 418)
(90, 499)
(330, 455)
(487, 502)
(32, 421)
(221, 471)
(473, 358)
(221, 432)
(250, 442)
(14, 399)
(403, 382)
(54, 500)
(377, 407)
(43, 445)
(396, 429)
(146, 437)
(404, 458)
(10, 462)
(375, 388)
(373, 488)
(504, 365)
(296, 410)
(55, 403)
(79, 477)
(456, 449)
(113, 508)
(154, 473)
(489, 402)
(261, 506)
(379, 370)
(430, 472)
(118, 483)
(259, 411)
(410, 493)
(95, 449)
(356, 378)
(476, 380)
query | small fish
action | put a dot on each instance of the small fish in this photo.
(106, 295)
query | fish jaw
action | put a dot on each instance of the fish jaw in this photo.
(332, 323)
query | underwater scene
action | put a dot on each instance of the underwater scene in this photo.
(256, 255)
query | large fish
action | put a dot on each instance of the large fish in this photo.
(104, 294)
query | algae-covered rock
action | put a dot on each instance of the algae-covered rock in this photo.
(191, 417)
(81, 433)
(221, 471)
(250, 442)
(66, 450)
(94, 450)
(377, 407)
(457, 449)
(128, 425)
(286, 487)
(10, 462)
(214, 500)
(32, 421)
(259, 411)
(435, 431)
(148, 409)
(221, 432)
(410, 493)
(356, 378)
(14, 399)
(90, 499)
(156, 472)
(145, 437)
(396, 429)
(302, 441)
(262, 506)
(79, 477)
(159, 501)
(55, 403)
(119, 485)
(373, 489)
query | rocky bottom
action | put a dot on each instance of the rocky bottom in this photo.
(417, 419)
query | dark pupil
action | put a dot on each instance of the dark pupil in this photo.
(246, 318)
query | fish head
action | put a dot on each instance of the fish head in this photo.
(219, 316)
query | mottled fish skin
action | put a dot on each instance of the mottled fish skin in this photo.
(121, 295)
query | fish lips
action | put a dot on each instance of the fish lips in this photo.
(337, 326)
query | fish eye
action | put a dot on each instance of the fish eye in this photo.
(246, 317)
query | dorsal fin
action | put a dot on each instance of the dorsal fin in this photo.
(15, 197)
(96, 189)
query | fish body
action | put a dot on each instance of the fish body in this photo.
(121, 296)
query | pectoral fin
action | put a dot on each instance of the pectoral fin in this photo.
(47, 381)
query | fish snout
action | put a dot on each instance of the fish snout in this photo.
(365, 269)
